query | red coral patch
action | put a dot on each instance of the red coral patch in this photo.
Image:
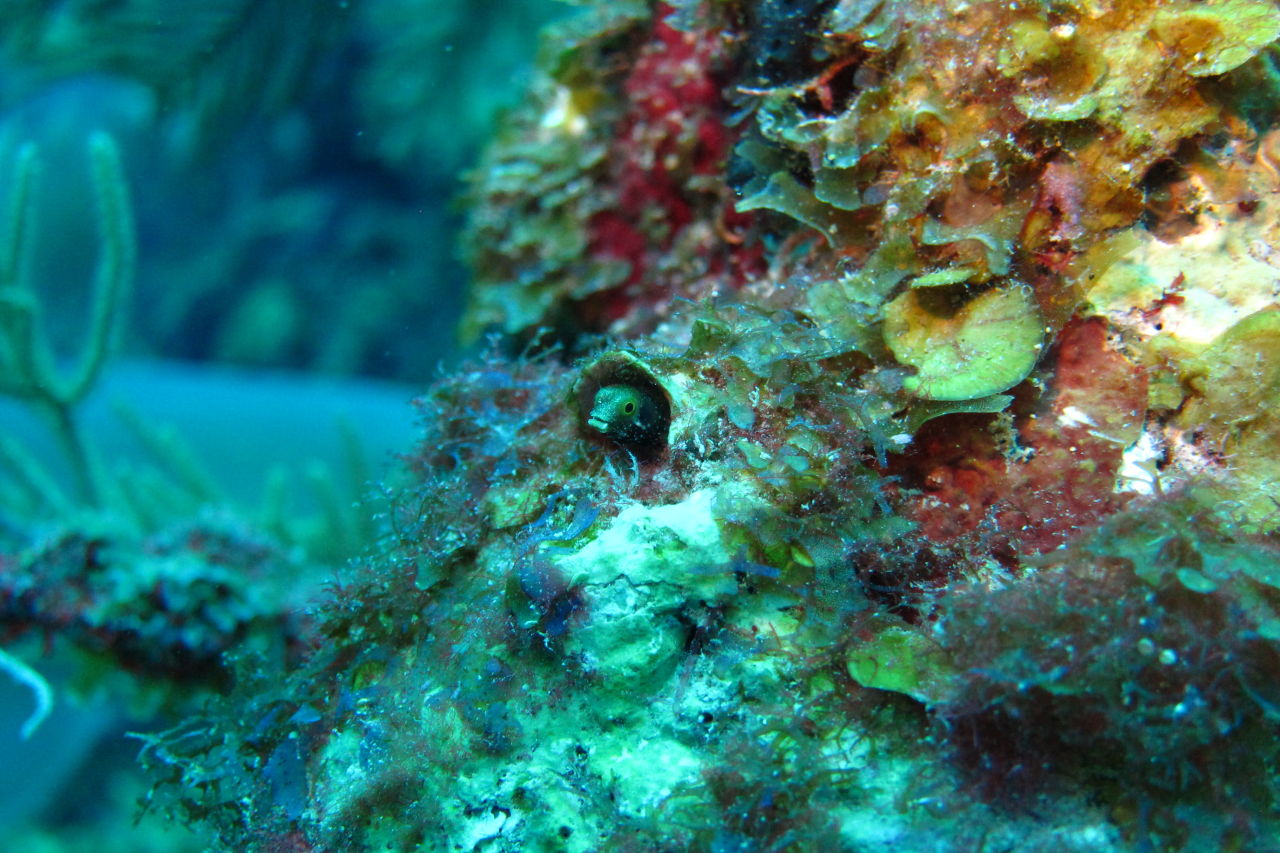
(673, 221)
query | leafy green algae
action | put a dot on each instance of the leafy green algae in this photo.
(1235, 386)
(985, 346)
(1217, 36)
(901, 660)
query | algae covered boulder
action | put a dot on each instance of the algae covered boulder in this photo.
(847, 490)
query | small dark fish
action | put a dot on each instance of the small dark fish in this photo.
(626, 414)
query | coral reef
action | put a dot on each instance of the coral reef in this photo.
(164, 607)
(603, 205)
(876, 454)
(833, 520)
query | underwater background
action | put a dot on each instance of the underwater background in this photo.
(293, 172)
(726, 425)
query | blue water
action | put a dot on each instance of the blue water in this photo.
(292, 169)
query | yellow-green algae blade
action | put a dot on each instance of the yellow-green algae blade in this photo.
(1236, 386)
(987, 345)
(1216, 36)
(902, 660)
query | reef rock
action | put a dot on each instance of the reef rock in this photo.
(946, 517)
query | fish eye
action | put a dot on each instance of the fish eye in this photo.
(629, 408)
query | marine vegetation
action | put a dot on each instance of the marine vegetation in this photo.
(875, 448)
(26, 356)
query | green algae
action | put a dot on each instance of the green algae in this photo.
(1217, 36)
(901, 660)
(986, 345)
(1235, 384)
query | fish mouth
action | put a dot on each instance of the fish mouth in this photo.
(598, 424)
